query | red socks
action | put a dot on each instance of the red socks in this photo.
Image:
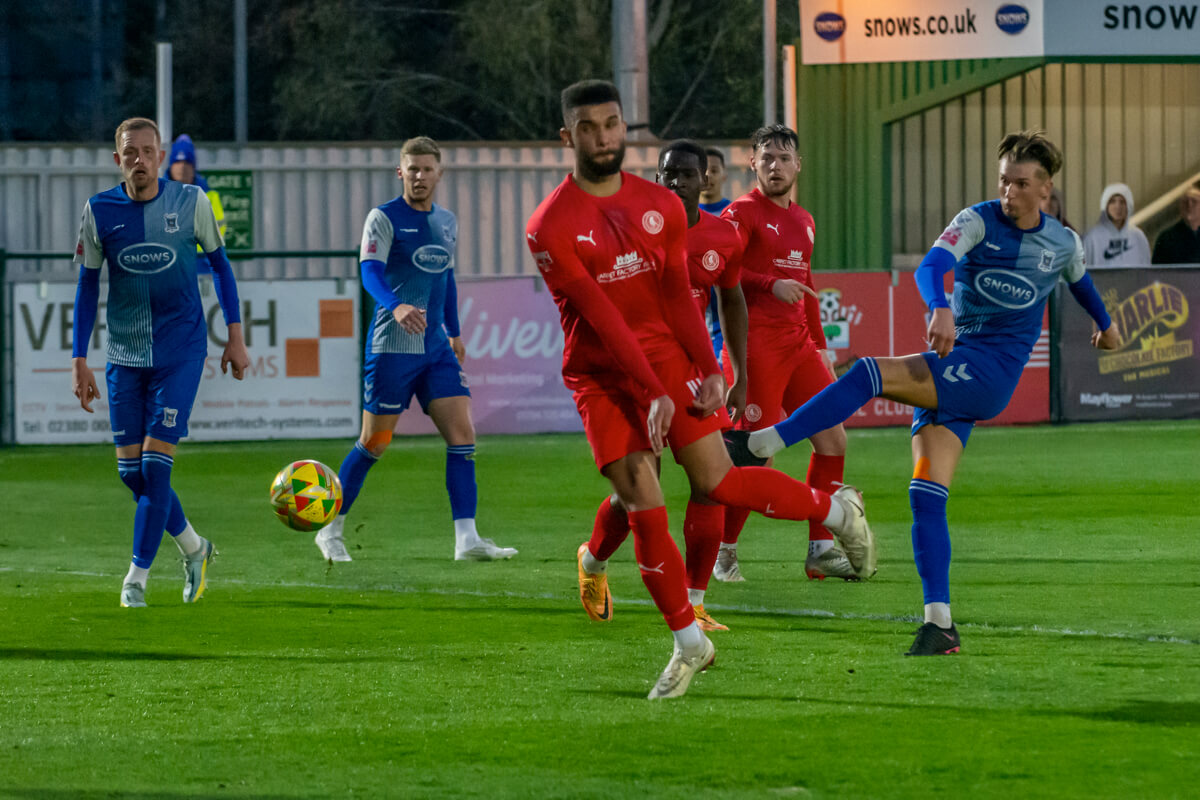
(609, 531)
(661, 566)
(771, 493)
(702, 528)
(823, 473)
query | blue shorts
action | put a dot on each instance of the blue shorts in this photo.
(151, 401)
(973, 383)
(391, 379)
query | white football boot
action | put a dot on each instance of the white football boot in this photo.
(681, 669)
(854, 534)
(329, 539)
(133, 595)
(483, 550)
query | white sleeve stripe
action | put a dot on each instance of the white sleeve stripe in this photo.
(208, 235)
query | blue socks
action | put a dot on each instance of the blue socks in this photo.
(833, 404)
(154, 504)
(460, 480)
(353, 472)
(931, 538)
(130, 470)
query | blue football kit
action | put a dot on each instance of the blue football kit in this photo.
(407, 256)
(157, 333)
(1003, 276)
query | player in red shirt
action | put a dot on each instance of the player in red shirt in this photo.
(714, 260)
(612, 250)
(786, 344)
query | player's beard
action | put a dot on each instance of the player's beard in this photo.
(590, 170)
(778, 190)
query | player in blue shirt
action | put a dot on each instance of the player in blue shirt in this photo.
(147, 231)
(1007, 257)
(414, 347)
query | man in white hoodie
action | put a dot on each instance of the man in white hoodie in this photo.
(1115, 241)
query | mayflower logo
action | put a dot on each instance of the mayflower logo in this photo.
(146, 258)
(1105, 400)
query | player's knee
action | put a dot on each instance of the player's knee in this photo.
(377, 443)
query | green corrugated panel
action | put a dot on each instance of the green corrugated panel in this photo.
(844, 113)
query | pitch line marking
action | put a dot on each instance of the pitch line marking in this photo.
(819, 613)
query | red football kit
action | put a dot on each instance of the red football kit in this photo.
(617, 269)
(714, 257)
(784, 367)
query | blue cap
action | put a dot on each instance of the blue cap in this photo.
(183, 150)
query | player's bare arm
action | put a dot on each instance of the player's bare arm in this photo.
(235, 354)
(83, 379)
(1107, 339)
(940, 333)
(460, 350)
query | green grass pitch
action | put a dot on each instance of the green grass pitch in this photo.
(1076, 582)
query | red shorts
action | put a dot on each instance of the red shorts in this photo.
(781, 379)
(615, 422)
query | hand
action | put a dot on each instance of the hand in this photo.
(460, 350)
(790, 291)
(84, 382)
(658, 422)
(828, 359)
(235, 354)
(410, 318)
(940, 333)
(735, 400)
(710, 397)
(1108, 339)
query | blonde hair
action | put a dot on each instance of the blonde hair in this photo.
(421, 146)
(136, 124)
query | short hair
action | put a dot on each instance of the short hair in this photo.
(1031, 145)
(587, 93)
(715, 152)
(421, 146)
(777, 134)
(136, 124)
(685, 146)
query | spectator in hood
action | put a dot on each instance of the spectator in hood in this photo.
(1115, 241)
(1180, 243)
(181, 166)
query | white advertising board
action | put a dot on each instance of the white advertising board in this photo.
(860, 31)
(303, 380)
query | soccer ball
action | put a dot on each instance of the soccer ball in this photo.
(306, 495)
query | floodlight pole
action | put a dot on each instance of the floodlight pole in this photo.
(770, 117)
(164, 93)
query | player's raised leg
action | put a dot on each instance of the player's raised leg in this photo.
(774, 494)
(452, 416)
(936, 451)
(906, 379)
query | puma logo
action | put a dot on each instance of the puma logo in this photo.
(774, 228)
(657, 569)
(587, 238)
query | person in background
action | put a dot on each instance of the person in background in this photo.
(1180, 243)
(1115, 241)
(181, 167)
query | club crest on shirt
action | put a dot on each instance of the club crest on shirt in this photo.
(1046, 264)
(711, 260)
(169, 416)
(171, 222)
(753, 412)
(652, 221)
